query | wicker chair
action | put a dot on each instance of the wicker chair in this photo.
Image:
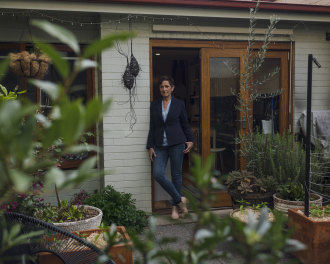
(66, 246)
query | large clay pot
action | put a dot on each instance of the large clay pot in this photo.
(315, 234)
(122, 252)
(90, 223)
(283, 205)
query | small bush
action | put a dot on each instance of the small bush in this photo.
(118, 208)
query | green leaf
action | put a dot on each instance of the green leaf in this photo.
(94, 110)
(24, 141)
(71, 123)
(20, 180)
(61, 65)
(80, 148)
(50, 88)
(3, 68)
(54, 176)
(3, 90)
(100, 45)
(84, 172)
(84, 64)
(59, 32)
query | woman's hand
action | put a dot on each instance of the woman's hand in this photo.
(189, 145)
(152, 154)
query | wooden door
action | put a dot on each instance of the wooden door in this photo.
(221, 121)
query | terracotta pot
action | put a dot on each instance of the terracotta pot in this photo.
(315, 234)
(121, 253)
(90, 223)
(283, 205)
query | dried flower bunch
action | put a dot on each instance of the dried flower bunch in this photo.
(29, 64)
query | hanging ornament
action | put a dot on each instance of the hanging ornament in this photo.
(128, 77)
(134, 65)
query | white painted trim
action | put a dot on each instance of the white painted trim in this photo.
(157, 10)
(207, 29)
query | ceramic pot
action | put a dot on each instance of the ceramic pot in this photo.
(283, 205)
(90, 223)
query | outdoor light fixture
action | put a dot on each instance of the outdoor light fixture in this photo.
(157, 54)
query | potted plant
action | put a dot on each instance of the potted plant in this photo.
(313, 231)
(114, 240)
(247, 209)
(243, 185)
(28, 64)
(292, 195)
(70, 217)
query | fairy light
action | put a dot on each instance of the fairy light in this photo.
(85, 23)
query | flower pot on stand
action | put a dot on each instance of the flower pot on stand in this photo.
(314, 233)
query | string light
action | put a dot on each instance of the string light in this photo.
(84, 23)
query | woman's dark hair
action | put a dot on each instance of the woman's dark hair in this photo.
(166, 78)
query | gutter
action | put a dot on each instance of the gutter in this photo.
(232, 4)
(110, 7)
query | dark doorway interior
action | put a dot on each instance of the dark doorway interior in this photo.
(183, 64)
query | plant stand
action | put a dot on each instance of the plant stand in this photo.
(283, 205)
(314, 234)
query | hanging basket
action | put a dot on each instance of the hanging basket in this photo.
(29, 65)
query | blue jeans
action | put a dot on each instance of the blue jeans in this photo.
(175, 153)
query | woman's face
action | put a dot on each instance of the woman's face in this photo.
(166, 89)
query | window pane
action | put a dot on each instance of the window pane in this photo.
(266, 107)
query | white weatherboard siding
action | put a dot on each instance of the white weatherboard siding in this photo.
(125, 151)
(310, 39)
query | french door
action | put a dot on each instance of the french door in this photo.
(221, 120)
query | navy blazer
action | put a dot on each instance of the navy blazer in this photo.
(176, 125)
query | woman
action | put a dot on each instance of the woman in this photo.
(170, 137)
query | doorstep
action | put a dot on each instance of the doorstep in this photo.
(165, 219)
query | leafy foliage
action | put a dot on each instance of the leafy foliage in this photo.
(26, 135)
(258, 241)
(11, 95)
(293, 191)
(118, 208)
(66, 213)
(279, 156)
(244, 182)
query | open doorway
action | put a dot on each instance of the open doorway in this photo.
(183, 64)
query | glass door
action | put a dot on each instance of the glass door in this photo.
(221, 121)
(220, 126)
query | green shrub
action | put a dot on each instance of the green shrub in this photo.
(278, 156)
(118, 208)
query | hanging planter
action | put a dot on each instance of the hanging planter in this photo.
(29, 65)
